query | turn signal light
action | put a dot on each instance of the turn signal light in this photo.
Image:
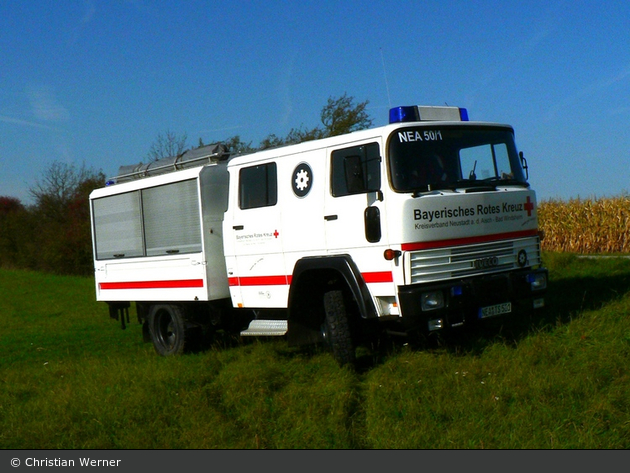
(390, 254)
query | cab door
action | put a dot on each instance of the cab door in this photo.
(354, 211)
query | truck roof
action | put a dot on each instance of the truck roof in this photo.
(348, 139)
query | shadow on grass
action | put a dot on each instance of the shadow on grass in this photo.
(567, 298)
(575, 286)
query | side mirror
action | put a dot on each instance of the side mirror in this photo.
(524, 164)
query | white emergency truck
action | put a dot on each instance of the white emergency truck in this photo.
(424, 224)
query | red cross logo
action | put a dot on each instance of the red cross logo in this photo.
(275, 233)
(529, 206)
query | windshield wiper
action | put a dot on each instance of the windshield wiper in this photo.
(473, 185)
(465, 183)
(507, 181)
(419, 191)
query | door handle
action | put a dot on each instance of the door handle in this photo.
(238, 227)
(330, 217)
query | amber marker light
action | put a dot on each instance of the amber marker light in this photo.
(390, 254)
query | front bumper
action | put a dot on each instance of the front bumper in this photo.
(453, 303)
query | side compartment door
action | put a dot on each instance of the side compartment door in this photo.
(254, 257)
(149, 244)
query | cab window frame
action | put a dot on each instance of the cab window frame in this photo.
(355, 170)
(258, 186)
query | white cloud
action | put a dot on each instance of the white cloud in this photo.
(44, 104)
(19, 121)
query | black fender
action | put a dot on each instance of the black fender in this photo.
(312, 277)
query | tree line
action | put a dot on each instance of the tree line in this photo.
(54, 235)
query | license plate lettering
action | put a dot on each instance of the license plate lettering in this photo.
(493, 310)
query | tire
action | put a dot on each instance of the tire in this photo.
(336, 329)
(167, 329)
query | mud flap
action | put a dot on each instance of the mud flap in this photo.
(120, 311)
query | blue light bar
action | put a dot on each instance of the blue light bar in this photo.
(417, 113)
(404, 114)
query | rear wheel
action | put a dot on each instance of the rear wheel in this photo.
(336, 328)
(167, 328)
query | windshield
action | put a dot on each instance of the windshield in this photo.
(446, 157)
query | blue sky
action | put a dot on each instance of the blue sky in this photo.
(95, 81)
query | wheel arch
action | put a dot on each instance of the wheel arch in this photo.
(314, 276)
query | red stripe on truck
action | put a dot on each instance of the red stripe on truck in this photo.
(383, 276)
(259, 281)
(429, 245)
(374, 277)
(173, 284)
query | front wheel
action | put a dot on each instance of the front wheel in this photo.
(167, 329)
(336, 328)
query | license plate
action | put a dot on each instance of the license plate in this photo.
(493, 310)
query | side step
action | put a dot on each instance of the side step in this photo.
(266, 328)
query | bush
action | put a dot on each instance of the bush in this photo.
(54, 234)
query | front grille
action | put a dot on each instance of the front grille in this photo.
(462, 261)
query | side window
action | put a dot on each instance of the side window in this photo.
(356, 170)
(258, 186)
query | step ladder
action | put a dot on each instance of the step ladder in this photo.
(266, 328)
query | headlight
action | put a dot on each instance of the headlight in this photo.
(537, 281)
(432, 300)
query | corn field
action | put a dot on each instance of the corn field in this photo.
(586, 226)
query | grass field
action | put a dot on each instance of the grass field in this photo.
(72, 379)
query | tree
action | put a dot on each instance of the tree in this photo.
(271, 141)
(341, 115)
(237, 146)
(58, 238)
(300, 135)
(166, 145)
(58, 186)
(12, 214)
(9, 205)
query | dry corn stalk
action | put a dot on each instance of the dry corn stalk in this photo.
(586, 226)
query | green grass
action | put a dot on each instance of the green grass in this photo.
(71, 379)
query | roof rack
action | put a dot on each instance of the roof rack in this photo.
(191, 158)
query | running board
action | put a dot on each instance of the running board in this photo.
(266, 328)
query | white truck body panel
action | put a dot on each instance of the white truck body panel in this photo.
(190, 272)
